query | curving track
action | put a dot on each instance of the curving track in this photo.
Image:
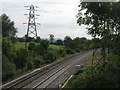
(49, 76)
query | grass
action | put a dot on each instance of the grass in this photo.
(55, 50)
(19, 45)
(56, 47)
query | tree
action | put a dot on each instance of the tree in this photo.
(8, 26)
(103, 20)
(83, 40)
(29, 39)
(44, 44)
(37, 39)
(59, 42)
(14, 39)
(77, 42)
(51, 38)
(100, 17)
(31, 46)
(68, 42)
(42, 47)
(22, 39)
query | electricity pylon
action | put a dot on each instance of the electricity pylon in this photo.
(31, 29)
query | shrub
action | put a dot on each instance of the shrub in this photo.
(21, 59)
(9, 68)
(30, 63)
(49, 57)
(70, 51)
(38, 60)
(31, 46)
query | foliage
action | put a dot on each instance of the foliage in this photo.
(98, 79)
(6, 45)
(30, 63)
(37, 39)
(44, 44)
(68, 42)
(70, 51)
(31, 46)
(59, 42)
(9, 68)
(8, 49)
(56, 50)
(42, 47)
(51, 38)
(21, 58)
(38, 61)
(29, 39)
(8, 27)
(21, 39)
(103, 21)
(49, 57)
(14, 39)
(77, 44)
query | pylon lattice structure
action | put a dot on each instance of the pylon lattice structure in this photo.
(31, 30)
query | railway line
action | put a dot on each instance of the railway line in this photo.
(46, 76)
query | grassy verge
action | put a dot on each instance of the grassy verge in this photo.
(80, 76)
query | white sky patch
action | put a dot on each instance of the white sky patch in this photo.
(56, 16)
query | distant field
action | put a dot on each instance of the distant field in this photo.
(19, 45)
(57, 47)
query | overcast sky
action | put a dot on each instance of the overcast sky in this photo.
(57, 17)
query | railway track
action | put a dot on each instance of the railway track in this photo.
(23, 82)
(45, 83)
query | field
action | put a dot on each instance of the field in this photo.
(19, 45)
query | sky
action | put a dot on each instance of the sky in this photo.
(57, 17)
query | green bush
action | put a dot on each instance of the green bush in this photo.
(100, 77)
(70, 51)
(21, 58)
(49, 57)
(6, 46)
(31, 46)
(62, 52)
(38, 60)
(30, 63)
(39, 50)
(8, 69)
(95, 81)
